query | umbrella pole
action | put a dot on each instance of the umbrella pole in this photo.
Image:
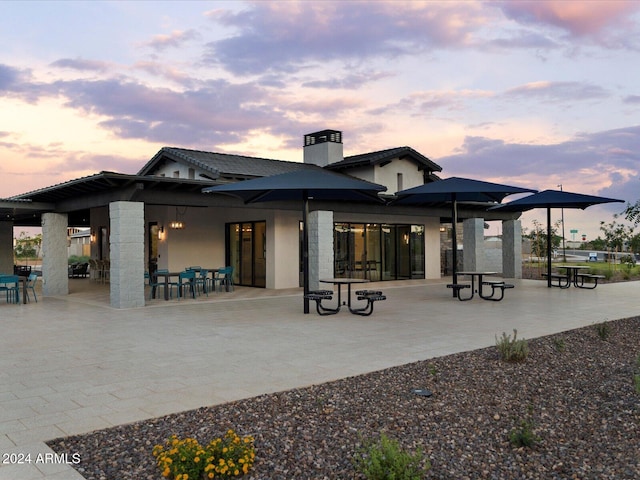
(305, 252)
(549, 247)
(454, 243)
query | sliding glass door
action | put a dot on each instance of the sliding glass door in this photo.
(246, 252)
(379, 251)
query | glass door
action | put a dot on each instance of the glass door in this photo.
(246, 253)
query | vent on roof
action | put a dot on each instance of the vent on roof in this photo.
(323, 148)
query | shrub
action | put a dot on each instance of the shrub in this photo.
(603, 330)
(385, 460)
(512, 350)
(559, 344)
(229, 456)
(523, 435)
(78, 259)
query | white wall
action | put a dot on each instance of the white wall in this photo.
(388, 175)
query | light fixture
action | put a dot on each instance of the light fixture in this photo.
(160, 233)
(177, 224)
(92, 238)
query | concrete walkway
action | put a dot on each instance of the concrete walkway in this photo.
(72, 364)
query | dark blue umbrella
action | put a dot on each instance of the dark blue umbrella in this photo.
(453, 190)
(312, 183)
(553, 199)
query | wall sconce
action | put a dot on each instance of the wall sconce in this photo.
(443, 229)
(161, 233)
(92, 238)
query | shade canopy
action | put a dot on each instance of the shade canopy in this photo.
(312, 183)
(456, 189)
(553, 199)
(453, 190)
(303, 185)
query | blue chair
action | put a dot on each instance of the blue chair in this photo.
(187, 279)
(202, 280)
(31, 285)
(153, 284)
(11, 284)
(224, 276)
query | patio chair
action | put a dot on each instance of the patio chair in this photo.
(153, 284)
(31, 285)
(224, 276)
(187, 279)
(11, 284)
(202, 280)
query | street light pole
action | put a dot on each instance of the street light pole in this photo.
(564, 246)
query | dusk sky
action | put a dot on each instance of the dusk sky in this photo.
(529, 93)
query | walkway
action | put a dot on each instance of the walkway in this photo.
(72, 364)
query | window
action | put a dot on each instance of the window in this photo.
(400, 183)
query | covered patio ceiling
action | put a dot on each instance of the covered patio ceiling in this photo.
(77, 197)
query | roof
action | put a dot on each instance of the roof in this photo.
(383, 157)
(222, 165)
(77, 196)
(107, 181)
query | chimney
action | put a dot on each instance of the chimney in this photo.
(323, 148)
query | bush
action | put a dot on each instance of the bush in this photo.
(78, 259)
(512, 350)
(603, 330)
(230, 456)
(523, 436)
(385, 460)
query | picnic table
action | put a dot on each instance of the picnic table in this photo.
(478, 286)
(575, 277)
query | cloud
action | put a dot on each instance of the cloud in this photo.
(598, 20)
(166, 115)
(81, 64)
(558, 91)
(175, 39)
(602, 161)
(632, 99)
(351, 81)
(288, 36)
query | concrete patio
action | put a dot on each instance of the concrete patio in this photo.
(72, 364)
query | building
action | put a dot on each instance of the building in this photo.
(159, 218)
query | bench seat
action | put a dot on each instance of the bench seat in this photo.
(371, 296)
(457, 287)
(495, 286)
(319, 295)
(581, 277)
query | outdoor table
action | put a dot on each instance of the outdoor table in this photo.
(477, 289)
(167, 276)
(344, 281)
(572, 271)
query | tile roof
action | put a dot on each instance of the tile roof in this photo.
(223, 164)
(382, 156)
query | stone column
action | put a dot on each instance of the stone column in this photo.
(320, 248)
(126, 245)
(512, 249)
(6, 247)
(55, 260)
(473, 244)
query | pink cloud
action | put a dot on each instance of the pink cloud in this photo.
(579, 18)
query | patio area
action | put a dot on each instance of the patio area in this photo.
(72, 364)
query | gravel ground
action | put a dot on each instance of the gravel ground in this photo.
(575, 388)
